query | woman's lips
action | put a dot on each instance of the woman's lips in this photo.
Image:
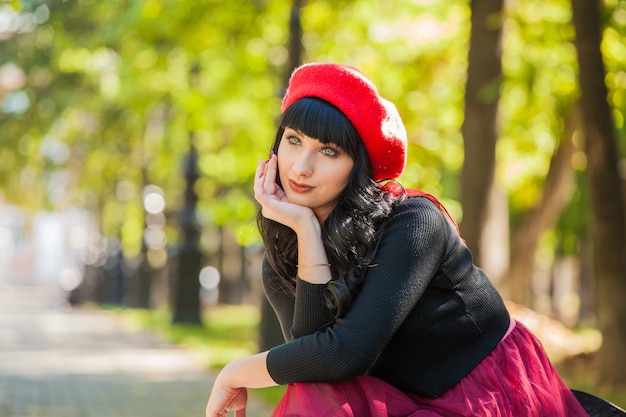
(298, 187)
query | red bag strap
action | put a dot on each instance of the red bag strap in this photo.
(398, 190)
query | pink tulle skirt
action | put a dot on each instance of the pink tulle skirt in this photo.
(515, 380)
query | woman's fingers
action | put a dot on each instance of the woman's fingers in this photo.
(260, 166)
(270, 195)
(259, 179)
(265, 180)
(271, 167)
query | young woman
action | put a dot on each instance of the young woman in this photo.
(382, 310)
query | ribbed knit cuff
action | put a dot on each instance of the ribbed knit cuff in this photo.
(311, 313)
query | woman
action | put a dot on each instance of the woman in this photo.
(382, 310)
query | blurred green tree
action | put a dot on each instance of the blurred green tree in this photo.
(480, 128)
(98, 100)
(606, 190)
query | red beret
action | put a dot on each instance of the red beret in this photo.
(375, 119)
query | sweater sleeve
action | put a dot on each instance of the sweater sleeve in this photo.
(410, 252)
(300, 313)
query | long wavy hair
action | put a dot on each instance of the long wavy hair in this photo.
(351, 230)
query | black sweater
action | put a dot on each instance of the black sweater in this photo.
(424, 318)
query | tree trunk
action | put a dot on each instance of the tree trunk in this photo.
(494, 248)
(270, 333)
(557, 192)
(231, 264)
(295, 40)
(479, 128)
(607, 203)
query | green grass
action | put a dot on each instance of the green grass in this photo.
(227, 333)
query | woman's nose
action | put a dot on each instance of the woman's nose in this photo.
(303, 165)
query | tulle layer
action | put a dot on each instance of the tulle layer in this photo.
(514, 380)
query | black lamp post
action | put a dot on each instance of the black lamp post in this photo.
(186, 295)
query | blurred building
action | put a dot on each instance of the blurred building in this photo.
(45, 247)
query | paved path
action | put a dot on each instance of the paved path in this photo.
(61, 362)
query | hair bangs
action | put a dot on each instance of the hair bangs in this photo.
(321, 120)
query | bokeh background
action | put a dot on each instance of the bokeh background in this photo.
(130, 131)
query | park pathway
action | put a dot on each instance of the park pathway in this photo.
(56, 361)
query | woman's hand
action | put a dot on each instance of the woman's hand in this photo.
(229, 390)
(224, 399)
(274, 203)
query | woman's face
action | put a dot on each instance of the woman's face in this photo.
(312, 173)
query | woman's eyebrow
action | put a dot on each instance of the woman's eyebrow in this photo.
(296, 130)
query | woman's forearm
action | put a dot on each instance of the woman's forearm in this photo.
(248, 372)
(313, 264)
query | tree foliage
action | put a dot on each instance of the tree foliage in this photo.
(99, 99)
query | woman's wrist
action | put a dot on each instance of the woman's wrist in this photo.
(308, 227)
(313, 265)
(247, 372)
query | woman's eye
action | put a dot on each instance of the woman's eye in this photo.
(330, 152)
(293, 140)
